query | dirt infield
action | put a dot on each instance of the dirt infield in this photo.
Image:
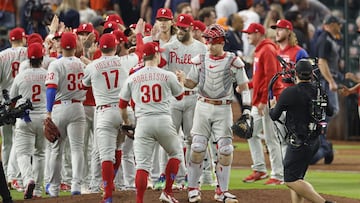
(344, 160)
(244, 196)
(241, 160)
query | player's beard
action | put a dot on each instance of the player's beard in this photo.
(183, 38)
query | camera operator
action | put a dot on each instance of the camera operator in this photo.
(4, 190)
(302, 137)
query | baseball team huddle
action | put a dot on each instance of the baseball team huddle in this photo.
(175, 90)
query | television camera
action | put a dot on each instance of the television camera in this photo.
(8, 113)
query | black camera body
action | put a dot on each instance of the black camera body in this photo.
(37, 11)
(8, 114)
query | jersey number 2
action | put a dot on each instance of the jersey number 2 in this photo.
(152, 93)
(36, 91)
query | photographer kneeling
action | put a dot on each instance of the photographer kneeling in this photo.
(304, 105)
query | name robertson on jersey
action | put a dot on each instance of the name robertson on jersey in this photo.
(150, 76)
(107, 64)
(185, 59)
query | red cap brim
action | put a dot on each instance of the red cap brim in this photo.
(182, 25)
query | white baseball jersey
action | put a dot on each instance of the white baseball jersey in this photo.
(107, 75)
(161, 42)
(10, 60)
(151, 88)
(66, 73)
(178, 55)
(45, 64)
(30, 83)
(215, 77)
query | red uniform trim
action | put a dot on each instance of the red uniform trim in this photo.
(180, 96)
(123, 104)
(51, 86)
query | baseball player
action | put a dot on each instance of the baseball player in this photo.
(9, 67)
(64, 96)
(288, 48)
(206, 177)
(106, 76)
(29, 139)
(214, 73)
(264, 68)
(32, 38)
(178, 55)
(152, 88)
(125, 178)
(164, 31)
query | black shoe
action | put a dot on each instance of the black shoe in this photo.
(328, 159)
(29, 190)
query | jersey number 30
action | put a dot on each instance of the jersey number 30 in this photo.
(152, 93)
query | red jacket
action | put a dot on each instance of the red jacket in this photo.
(264, 68)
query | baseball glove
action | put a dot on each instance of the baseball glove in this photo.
(51, 131)
(128, 130)
(243, 127)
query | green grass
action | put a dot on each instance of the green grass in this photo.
(345, 184)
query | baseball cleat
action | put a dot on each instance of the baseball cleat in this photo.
(255, 176)
(29, 190)
(194, 196)
(226, 197)
(273, 181)
(167, 198)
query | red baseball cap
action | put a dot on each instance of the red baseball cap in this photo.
(17, 34)
(111, 25)
(151, 48)
(164, 13)
(198, 25)
(85, 27)
(107, 41)
(35, 51)
(68, 40)
(120, 36)
(34, 37)
(255, 27)
(114, 17)
(184, 20)
(283, 24)
(148, 27)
